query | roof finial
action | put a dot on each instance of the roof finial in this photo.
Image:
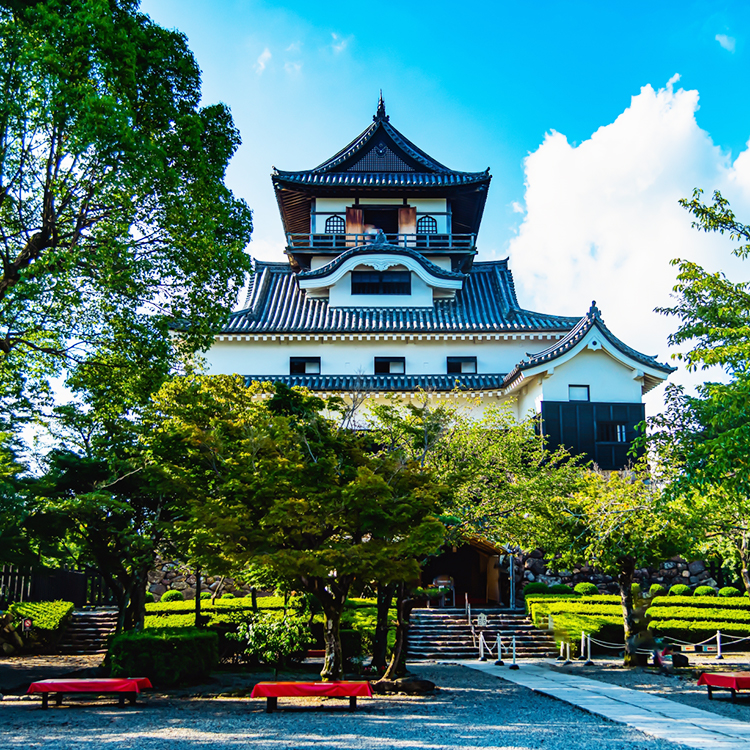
(380, 114)
(594, 310)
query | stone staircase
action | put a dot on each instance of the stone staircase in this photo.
(89, 632)
(445, 634)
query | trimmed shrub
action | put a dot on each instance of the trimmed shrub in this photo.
(173, 596)
(636, 591)
(656, 590)
(166, 656)
(705, 591)
(703, 614)
(680, 589)
(148, 597)
(49, 622)
(727, 591)
(586, 589)
(205, 594)
(560, 588)
(701, 601)
(536, 588)
(228, 595)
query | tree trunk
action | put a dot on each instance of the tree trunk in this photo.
(625, 581)
(380, 641)
(404, 606)
(333, 666)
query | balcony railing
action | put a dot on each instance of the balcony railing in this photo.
(417, 241)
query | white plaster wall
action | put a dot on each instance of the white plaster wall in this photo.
(608, 379)
(528, 398)
(340, 294)
(325, 207)
(347, 357)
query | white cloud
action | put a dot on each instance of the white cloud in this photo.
(728, 42)
(339, 43)
(517, 208)
(603, 220)
(293, 68)
(262, 61)
(294, 47)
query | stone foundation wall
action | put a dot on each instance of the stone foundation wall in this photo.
(170, 575)
(669, 573)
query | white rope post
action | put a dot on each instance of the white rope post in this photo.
(514, 665)
(562, 652)
(588, 662)
(582, 655)
(567, 661)
(499, 662)
(482, 657)
(718, 645)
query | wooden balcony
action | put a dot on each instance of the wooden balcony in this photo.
(422, 242)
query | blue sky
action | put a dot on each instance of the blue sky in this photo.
(574, 106)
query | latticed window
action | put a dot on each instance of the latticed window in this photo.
(427, 225)
(335, 225)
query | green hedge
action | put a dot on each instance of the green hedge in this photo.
(702, 601)
(46, 615)
(702, 627)
(167, 656)
(698, 613)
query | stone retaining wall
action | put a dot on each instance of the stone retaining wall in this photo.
(170, 575)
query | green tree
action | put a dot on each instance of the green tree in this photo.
(272, 481)
(706, 436)
(115, 219)
(616, 523)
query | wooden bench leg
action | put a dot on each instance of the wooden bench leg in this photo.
(270, 704)
(132, 698)
(121, 700)
(734, 695)
(58, 699)
(45, 701)
(352, 702)
(710, 692)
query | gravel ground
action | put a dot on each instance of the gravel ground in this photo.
(680, 687)
(471, 710)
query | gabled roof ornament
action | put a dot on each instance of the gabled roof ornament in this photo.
(380, 113)
(594, 311)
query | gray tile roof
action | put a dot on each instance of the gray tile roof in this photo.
(378, 248)
(593, 318)
(383, 383)
(382, 179)
(486, 304)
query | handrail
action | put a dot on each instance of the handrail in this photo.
(328, 241)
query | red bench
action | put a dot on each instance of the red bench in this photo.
(272, 691)
(732, 681)
(125, 687)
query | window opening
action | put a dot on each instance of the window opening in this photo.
(611, 432)
(578, 393)
(426, 225)
(458, 365)
(381, 282)
(390, 365)
(304, 365)
(335, 225)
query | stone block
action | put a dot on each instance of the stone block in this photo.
(179, 585)
(157, 589)
(154, 576)
(696, 567)
(685, 574)
(189, 593)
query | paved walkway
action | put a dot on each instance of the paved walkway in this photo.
(649, 713)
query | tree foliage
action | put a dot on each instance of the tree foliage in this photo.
(115, 222)
(272, 481)
(706, 437)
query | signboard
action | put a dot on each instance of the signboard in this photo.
(481, 620)
(27, 624)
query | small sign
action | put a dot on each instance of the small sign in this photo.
(481, 620)
(27, 624)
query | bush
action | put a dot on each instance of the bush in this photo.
(586, 589)
(656, 590)
(173, 596)
(727, 591)
(205, 594)
(680, 589)
(705, 591)
(636, 591)
(228, 595)
(148, 597)
(701, 601)
(351, 644)
(560, 588)
(46, 615)
(166, 656)
(272, 640)
(703, 614)
(535, 588)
